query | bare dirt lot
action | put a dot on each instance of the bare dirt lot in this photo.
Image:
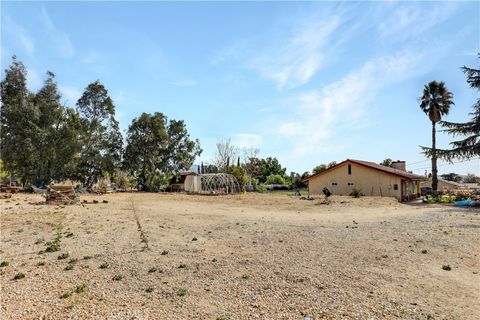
(165, 256)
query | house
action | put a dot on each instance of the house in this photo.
(443, 185)
(369, 178)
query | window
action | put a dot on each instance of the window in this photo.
(395, 187)
(349, 169)
(350, 183)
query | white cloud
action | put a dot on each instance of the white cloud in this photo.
(58, 37)
(340, 105)
(411, 21)
(70, 94)
(294, 61)
(247, 140)
(289, 58)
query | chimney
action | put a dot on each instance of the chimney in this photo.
(399, 165)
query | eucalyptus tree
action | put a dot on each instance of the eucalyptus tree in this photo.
(100, 137)
(18, 123)
(157, 150)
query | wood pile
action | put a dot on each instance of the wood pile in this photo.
(62, 194)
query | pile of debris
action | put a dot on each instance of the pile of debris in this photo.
(62, 194)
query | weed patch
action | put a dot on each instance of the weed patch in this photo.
(182, 292)
(19, 276)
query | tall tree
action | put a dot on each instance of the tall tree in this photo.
(100, 136)
(56, 142)
(157, 150)
(19, 118)
(469, 147)
(435, 102)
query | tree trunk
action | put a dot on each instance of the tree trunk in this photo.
(434, 161)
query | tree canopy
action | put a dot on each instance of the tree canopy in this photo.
(101, 140)
(157, 150)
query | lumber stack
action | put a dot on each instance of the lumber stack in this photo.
(62, 194)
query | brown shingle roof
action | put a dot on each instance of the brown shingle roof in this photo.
(375, 166)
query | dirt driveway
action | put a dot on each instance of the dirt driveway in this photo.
(173, 256)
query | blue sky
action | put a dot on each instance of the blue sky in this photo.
(306, 82)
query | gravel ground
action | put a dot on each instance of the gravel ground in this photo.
(253, 256)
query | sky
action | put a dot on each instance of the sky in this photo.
(306, 82)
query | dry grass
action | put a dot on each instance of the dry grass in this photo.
(261, 256)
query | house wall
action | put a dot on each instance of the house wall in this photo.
(370, 182)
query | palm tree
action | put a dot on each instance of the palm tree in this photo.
(435, 102)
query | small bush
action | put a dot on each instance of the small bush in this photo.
(117, 277)
(69, 267)
(63, 256)
(182, 266)
(164, 252)
(66, 295)
(446, 267)
(246, 276)
(81, 288)
(104, 266)
(261, 188)
(275, 179)
(87, 257)
(182, 292)
(19, 276)
(152, 270)
(41, 263)
(52, 247)
(149, 289)
(424, 251)
(4, 264)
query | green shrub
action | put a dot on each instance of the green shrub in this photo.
(66, 295)
(182, 292)
(275, 179)
(63, 256)
(19, 276)
(240, 174)
(81, 288)
(261, 188)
